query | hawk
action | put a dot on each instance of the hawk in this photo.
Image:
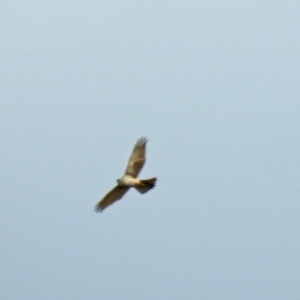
(129, 179)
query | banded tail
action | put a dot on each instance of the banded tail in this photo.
(146, 185)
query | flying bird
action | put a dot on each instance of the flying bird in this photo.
(129, 179)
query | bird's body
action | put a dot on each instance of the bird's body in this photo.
(129, 179)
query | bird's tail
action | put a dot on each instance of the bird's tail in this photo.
(146, 185)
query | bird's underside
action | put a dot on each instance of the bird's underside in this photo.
(129, 179)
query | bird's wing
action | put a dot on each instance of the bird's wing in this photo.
(114, 195)
(137, 158)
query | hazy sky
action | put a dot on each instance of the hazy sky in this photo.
(214, 86)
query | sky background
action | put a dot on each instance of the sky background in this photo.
(214, 86)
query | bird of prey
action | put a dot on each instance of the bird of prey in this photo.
(129, 179)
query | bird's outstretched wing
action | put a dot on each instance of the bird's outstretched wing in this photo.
(137, 158)
(114, 195)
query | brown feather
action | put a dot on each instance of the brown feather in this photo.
(114, 195)
(137, 158)
(146, 185)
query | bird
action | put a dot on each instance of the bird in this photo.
(129, 179)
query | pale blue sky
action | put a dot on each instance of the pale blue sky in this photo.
(214, 86)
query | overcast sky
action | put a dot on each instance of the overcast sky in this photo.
(214, 86)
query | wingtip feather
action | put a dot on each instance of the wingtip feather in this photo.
(142, 140)
(98, 209)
